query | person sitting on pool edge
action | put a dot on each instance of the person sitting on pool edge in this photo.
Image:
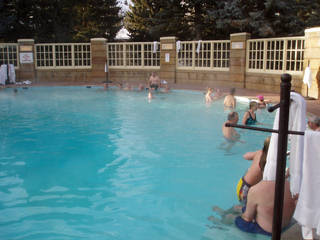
(154, 81)
(250, 118)
(258, 213)
(255, 171)
(229, 132)
(229, 100)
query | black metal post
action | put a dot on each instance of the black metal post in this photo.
(281, 155)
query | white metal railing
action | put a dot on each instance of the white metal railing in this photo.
(275, 55)
(210, 55)
(133, 55)
(9, 54)
(63, 55)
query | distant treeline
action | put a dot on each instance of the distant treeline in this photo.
(148, 20)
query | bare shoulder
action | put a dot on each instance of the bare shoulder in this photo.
(263, 186)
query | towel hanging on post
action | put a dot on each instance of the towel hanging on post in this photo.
(155, 46)
(307, 77)
(199, 46)
(178, 45)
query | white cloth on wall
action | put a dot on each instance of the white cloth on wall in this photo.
(3, 74)
(178, 45)
(199, 46)
(307, 211)
(12, 74)
(297, 122)
(155, 46)
(307, 77)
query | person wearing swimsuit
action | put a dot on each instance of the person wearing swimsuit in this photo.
(250, 118)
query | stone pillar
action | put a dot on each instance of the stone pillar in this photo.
(312, 57)
(168, 55)
(99, 57)
(26, 60)
(238, 47)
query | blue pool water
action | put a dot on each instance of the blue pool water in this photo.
(82, 163)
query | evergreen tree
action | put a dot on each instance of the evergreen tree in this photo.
(308, 13)
(169, 20)
(18, 19)
(59, 20)
(97, 18)
(199, 19)
(138, 20)
(6, 21)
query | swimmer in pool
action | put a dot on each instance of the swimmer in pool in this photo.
(229, 132)
(229, 100)
(254, 173)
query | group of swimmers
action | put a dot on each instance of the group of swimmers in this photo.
(154, 84)
(256, 196)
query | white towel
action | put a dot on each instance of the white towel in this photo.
(155, 46)
(178, 46)
(199, 46)
(307, 77)
(12, 74)
(307, 212)
(297, 122)
(269, 172)
(3, 74)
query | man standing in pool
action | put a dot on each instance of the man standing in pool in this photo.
(154, 81)
(229, 100)
(229, 132)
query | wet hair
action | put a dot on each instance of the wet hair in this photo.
(263, 159)
(232, 91)
(317, 121)
(252, 104)
(232, 115)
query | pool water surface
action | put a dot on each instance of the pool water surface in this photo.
(83, 163)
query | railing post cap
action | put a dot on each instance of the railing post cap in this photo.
(286, 77)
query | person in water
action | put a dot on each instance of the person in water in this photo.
(250, 118)
(154, 81)
(258, 213)
(255, 171)
(261, 102)
(229, 132)
(208, 96)
(229, 100)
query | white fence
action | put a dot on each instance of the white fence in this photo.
(275, 55)
(134, 55)
(272, 55)
(9, 54)
(63, 55)
(203, 55)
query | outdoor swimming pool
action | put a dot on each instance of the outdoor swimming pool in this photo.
(83, 163)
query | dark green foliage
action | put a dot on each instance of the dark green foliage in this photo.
(59, 20)
(217, 19)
